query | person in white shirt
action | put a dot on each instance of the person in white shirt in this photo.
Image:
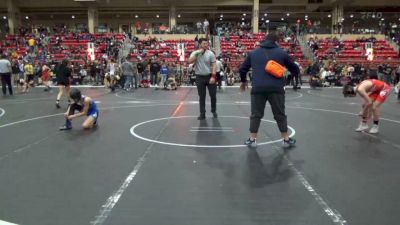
(323, 73)
(5, 74)
(191, 75)
(111, 76)
(206, 24)
(83, 74)
(220, 69)
(199, 25)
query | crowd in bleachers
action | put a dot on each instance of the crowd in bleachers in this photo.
(396, 38)
(198, 27)
(45, 49)
(166, 50)
(334, 73)
(342, 59)
(41, 48)
(230, 28)
(234, 48)
(336, 57)
(353, 50)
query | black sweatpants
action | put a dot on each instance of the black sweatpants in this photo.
(202, 83)
(6, 80)
(219, 80)
(277, 102)
(154, 78)
(296, 79)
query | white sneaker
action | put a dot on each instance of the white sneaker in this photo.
(362, 127)
(374, 129)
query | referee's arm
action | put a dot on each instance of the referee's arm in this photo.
(193, 56)
(213, 69)
(9, 66)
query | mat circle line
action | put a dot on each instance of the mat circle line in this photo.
(293, 98)
(2, 112)
(132, 130)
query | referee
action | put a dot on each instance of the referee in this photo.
(205, 71)
(266, 87)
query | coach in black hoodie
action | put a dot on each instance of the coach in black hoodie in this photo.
(266, 87)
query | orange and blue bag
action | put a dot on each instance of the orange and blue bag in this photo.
(274, 68)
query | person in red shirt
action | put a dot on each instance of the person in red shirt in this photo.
(46, 76)
(374, 92)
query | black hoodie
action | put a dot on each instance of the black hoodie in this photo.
(262, 81)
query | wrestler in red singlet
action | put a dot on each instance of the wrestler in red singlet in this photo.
(374, 92)
(379, 90)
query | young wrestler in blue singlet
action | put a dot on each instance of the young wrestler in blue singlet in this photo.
(86, 107)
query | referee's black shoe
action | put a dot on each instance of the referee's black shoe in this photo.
(202, 116)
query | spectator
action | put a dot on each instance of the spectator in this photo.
(15, 67)
(45, 76)
(199, 25)
(220, 71)
(31, 44)
(29, 75)
(164, 71)
(206, 25)
(154, 70)
(140, 69)
(111, 76)
(128, 72)
(5, 74)
(82, 73)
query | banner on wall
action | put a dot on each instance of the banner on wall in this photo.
(90, 52)
(181, 51)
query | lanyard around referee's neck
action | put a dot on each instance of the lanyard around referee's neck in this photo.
(204, 52)
(195, 62)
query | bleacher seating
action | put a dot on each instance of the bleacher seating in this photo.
(230, 48)
(73, 45)
(165, 46)
(353, 51)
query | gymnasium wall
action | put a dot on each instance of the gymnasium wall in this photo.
(346, 36)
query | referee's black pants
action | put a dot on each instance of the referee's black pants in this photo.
(277, 102)
(6, 81)
(202, 83)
